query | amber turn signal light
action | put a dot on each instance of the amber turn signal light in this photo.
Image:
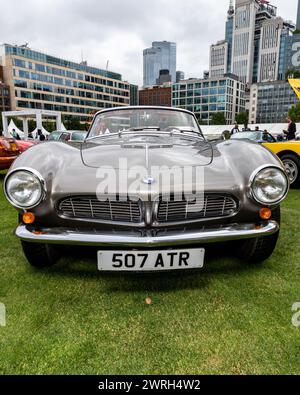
(265, 213)
(28, 218)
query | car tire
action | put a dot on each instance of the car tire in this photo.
(292, 166)
(40, 255)
(256, 251)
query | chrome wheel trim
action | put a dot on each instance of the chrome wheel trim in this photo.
(291, 169)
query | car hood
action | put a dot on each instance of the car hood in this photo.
(146, 151)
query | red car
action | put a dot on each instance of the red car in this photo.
(9, 151)
(24, 145)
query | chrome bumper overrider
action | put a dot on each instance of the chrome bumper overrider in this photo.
(147, 238)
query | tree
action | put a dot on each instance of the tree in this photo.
(73, 123)
(218, 118)
(242, 119)
(292, 73)
(294, 113)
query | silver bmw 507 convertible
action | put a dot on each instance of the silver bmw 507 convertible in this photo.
(149, 192)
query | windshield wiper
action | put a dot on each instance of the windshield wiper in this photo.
(185, 130)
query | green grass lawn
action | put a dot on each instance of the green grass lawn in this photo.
(228, 318)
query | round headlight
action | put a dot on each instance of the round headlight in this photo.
(24, 189)
(270, 186)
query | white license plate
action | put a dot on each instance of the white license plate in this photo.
(151, 260)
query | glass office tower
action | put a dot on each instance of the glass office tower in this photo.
(161, 56)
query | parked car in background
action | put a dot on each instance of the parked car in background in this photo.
(70, 135)
(24, 145)
(287, 151)
(9, 151)
(141, 220)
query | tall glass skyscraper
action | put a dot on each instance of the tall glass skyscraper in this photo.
(161, 56)
(298, 16)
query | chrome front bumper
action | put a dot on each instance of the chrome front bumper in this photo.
(146, 239)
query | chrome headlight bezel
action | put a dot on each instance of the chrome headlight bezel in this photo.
(253, 177)
(34, 173)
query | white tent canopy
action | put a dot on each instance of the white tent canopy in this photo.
(44, 131)
(25, 115)
(13, 128)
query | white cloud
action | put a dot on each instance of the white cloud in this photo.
(119, 30)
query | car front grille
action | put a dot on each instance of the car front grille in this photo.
(208, 206)
(131, 211)
(94, 209)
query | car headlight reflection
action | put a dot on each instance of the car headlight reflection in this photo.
(24, 189)
(270, 186)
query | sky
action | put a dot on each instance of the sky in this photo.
(119, 30)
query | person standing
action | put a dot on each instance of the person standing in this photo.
(235, 129)
(292, 129)
(40, 135)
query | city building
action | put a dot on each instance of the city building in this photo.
(206, 97)
(161, 56)
(179, 76)
(293, 46)
(156, 96)
(298, 17)
(218, 59)
(229, 33)
(257, 42)
(270, 102)
(4, 94)
(40, 81)
(4, 97)
(134, 95)
(164, 76)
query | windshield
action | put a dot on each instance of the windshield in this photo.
(54, 136)
(141, 119)
(78, 136)
(255, 136)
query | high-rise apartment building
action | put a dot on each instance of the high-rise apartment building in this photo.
(40, 81)
(161, 56)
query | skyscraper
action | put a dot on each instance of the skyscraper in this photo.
(229, 34)
(258, 43)
(161, 56)
(298, 16)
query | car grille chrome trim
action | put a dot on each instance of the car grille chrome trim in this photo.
(208, 207)
(164, 211)
(87, 207)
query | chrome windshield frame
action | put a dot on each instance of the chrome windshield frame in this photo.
(88, 137)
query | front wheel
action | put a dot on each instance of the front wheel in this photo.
(40, 255)
(255, 251)
(292, 167)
